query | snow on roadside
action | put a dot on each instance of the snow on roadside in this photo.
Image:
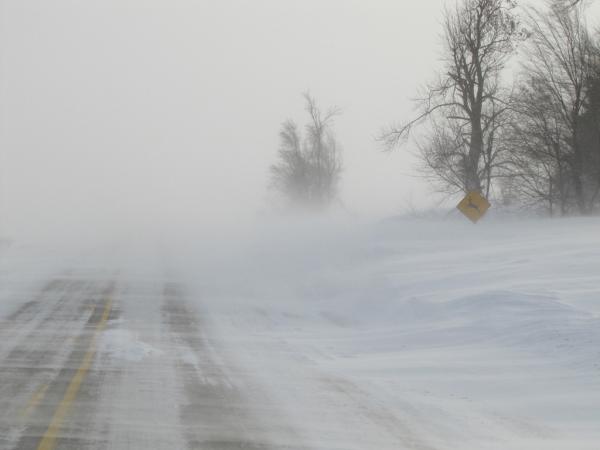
(23, 269)
(420, 334)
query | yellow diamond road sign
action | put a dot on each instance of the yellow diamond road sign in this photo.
(474, 206)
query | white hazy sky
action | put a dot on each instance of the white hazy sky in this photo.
(159, 108)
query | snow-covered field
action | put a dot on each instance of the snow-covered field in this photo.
(418, 334)
(406, 334)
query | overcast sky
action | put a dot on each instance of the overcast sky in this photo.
(147, 108)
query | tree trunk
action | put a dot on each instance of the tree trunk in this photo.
(472, 181)
(578, 173)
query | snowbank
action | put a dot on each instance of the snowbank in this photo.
(444, 334)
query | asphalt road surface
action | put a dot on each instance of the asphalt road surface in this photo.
(107, 363)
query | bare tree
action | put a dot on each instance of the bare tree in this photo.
(322, 152)
(538, 171)
(291, 175)
(589, 132)
(309, 168)
(559, 62)
(468, 96)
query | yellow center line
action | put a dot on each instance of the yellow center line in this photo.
(48, 441)
(35, 400)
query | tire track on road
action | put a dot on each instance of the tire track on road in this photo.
(214, 413)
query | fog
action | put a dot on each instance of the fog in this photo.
(138, 112)
(152, 295)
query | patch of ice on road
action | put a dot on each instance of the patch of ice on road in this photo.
(189, 357)
(125, 345)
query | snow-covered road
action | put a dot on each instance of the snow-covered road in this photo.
(397, 336)
(95, 363)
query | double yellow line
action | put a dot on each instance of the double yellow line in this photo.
(48, 441)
